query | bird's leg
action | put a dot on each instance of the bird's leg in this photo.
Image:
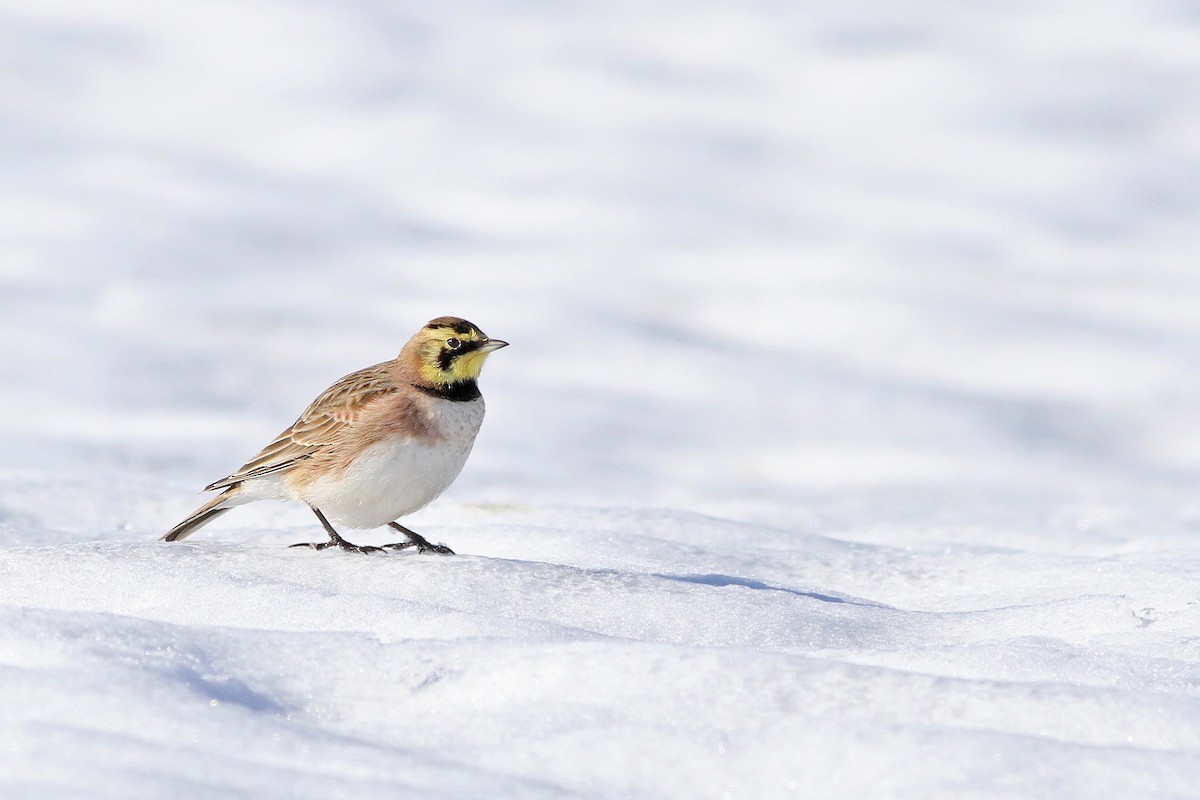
(418, 541)
(336, 539)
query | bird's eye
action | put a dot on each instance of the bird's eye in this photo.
(453, 343)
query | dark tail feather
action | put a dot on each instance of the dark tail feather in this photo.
(201, 516)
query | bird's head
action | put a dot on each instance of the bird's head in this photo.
(450, 350)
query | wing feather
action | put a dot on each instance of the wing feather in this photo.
(323, 424)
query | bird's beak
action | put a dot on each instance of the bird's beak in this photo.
(492, 344)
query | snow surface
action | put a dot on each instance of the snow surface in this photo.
(848, 445)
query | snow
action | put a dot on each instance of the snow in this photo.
(848, 444)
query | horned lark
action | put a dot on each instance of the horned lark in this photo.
(377, 445)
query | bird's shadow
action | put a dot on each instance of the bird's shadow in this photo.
(751, 583)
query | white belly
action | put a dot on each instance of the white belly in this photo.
(397, 477)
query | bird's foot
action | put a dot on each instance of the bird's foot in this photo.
(349, 547)
(313, 545)
(427, 547)
(418, 541)
(422, 547)
(359, 548)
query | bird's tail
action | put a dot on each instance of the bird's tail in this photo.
(203, 515)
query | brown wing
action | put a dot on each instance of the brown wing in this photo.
(321, 425)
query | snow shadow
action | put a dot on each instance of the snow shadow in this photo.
(751, 583)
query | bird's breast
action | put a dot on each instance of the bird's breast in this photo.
(400, 473)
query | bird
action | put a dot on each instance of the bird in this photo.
(375, 446)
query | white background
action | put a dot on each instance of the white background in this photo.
(847, 445)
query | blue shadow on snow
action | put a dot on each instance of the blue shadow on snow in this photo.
(751, 583)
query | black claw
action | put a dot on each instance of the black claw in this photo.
(343, 544)
(420, 542)
(414, 540)
(334, 538)
(422, 547)
(360, 548)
